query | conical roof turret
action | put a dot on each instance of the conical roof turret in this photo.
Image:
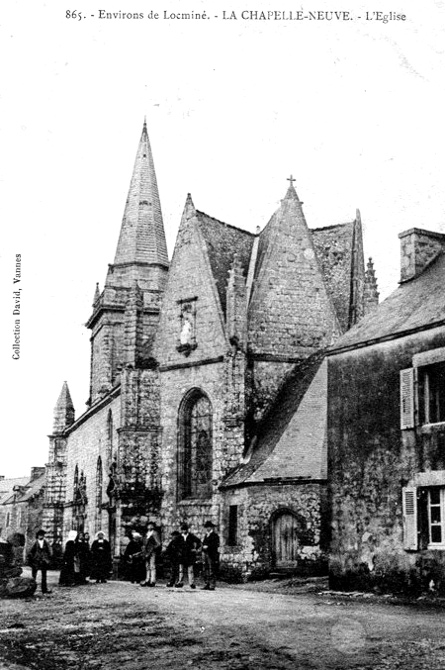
(288, 273)
(63, 411)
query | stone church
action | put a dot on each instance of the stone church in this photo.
(208, 383)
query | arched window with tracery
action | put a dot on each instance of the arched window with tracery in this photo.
(195, 446)
(76, 481)
(80, 500)
(99, 494)
(109, 436)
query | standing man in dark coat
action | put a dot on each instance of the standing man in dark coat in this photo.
(101, 563)
(210, 550)
(190, 545)
(39, 558)
(174, 555)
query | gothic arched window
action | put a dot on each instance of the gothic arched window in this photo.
(99, 494)
(195, 446)
(109, 436)
(80, 500)
(76, 481)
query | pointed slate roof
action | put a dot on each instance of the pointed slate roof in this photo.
(64, 410)
(222, 242)
(291, 439)
(290, 308)
(142, 236)
(33, 488)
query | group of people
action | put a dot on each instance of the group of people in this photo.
(182, 552)
(80, 561)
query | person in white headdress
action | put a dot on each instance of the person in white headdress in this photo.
(67, 572)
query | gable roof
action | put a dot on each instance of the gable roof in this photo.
(223, 241)
(334, 247)
(291, 439)
(7, 487)
(414, 305)
(33, 488)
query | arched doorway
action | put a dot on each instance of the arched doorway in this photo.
(285, 530)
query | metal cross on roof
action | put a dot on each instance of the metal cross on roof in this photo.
(291, 179)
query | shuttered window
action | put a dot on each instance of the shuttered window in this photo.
(410, 539)
(407, 398)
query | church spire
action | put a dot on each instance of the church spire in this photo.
(63, 411)
(142, 236)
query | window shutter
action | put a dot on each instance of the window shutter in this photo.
(407, 398)
(409, 495)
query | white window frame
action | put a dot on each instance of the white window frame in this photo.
(441, 523)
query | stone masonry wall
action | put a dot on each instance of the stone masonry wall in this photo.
(417, 249)
(84, 446)
(290, 313)
(370, 460)
(190, 278)
(175, 384)
(253, 557)
(106, 354)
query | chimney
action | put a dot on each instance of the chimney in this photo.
(417, 249)
(37, 472)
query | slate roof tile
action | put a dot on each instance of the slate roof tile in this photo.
(414, 304)
(291, 438)
(223, 241)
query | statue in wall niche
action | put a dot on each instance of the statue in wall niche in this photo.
(113, 481)
(186, 330)
(187, 342)
(12, 584)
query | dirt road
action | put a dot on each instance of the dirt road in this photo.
(122, 626)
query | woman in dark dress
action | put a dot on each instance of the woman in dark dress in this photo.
(67, 573)
(82, 558)
(100, 559)
(133, 558)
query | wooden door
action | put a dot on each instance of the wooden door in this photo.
(285, 540)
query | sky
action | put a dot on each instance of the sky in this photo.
(352, 109)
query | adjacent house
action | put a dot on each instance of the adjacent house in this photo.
(386, 433)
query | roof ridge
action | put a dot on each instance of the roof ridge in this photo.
(10, 479)
(335, 225)
(229, 225)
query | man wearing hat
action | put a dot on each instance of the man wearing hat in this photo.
(39, 558)
(189, 547)
(210, 547)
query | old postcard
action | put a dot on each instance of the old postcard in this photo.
(222, 333)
